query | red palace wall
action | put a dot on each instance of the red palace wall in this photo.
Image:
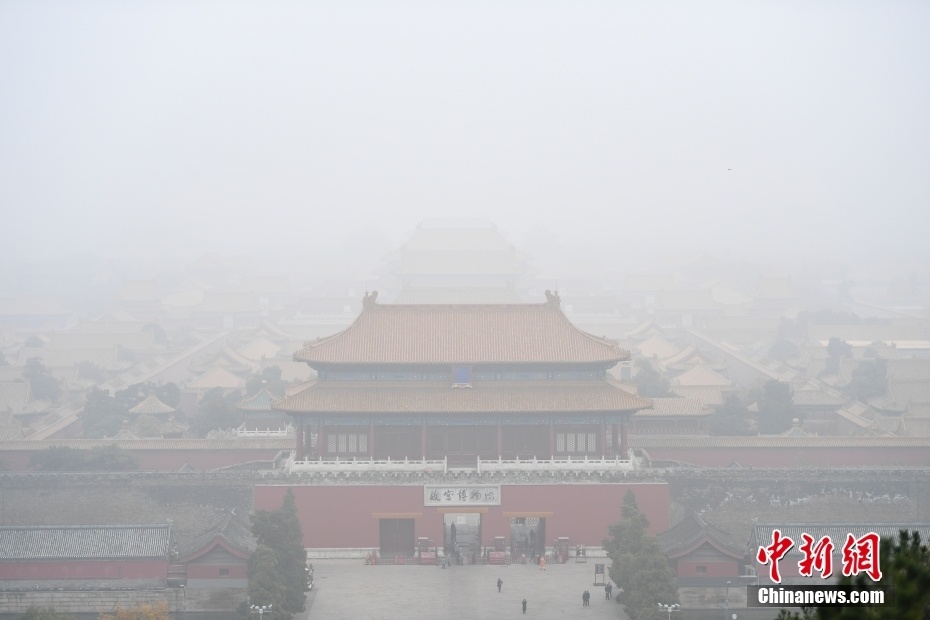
(161, 460)
(212, 571)
(348, 516)
(712, 568)
(84, 569)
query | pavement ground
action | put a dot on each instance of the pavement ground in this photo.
(349, 589)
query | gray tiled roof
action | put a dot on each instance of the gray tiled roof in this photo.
(234, 531)
(84, 542)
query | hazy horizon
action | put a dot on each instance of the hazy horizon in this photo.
(767, 130)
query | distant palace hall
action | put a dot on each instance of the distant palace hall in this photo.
(464, 382)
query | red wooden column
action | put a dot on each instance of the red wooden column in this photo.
(299, 447)
(624, 439)
(371, 438)
(551, 438)
(500, 439)
(423, 442)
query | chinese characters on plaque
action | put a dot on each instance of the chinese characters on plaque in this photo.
(462, 495)
(860, 555)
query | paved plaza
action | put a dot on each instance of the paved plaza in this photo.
(349, 589)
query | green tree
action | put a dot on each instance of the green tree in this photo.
(783, 350)
(103, 415)
(776, 408)
(86, 369)
(44, 385)
(265, 587)
(43, 613)
(732, 418)
(869, 379)
(100, 458)
(905, 563)
(217, 410)
(638, 564)
(270, 378)
(58, 458)
(110, 458)
(649, 381)
(155, 611)
(280, 531)
(836, 350)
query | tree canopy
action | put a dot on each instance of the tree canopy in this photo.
(649, 381)
(269, 377)
(43, 613)
(156, 611)
(218, 410)
(277, 570)
(638, 565)
(99, 458)
(869, 379)
(731, 418)
(776, 408)
(44, 385)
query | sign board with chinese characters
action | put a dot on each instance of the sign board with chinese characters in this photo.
(462, 495)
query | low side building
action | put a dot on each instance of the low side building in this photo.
(84, 556)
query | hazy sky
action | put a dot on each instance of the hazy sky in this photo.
(178, 127)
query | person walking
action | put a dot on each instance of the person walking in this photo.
(524, 605)
(499, 584)
(607, 591)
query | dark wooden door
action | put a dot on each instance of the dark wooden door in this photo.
(397, 537)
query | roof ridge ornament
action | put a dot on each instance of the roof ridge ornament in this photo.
(370, 299)
(553, 298)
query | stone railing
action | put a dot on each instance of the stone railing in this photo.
(369, 465)
(556, 465)
(287, 431)
(553, 465)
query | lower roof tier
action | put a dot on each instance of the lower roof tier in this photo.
(433, 398)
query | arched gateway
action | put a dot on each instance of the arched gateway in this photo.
(463, 398)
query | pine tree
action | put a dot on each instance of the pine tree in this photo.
(638, 565)
(279, 530)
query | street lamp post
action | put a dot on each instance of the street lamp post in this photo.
(260, 609)
(726, 603)
(670, 609)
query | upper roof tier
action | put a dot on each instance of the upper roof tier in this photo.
(462, 334)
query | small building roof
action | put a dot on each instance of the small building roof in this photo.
(236, 535)
(448, 334)
(700, 376)
(710, 395)
(151, 406)
(263, 400)
(674, 408)
(692, 532)
(259, 348)
(77, 542)
(216, 377)
(14, 395)
(817, 398)
(657, 346)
